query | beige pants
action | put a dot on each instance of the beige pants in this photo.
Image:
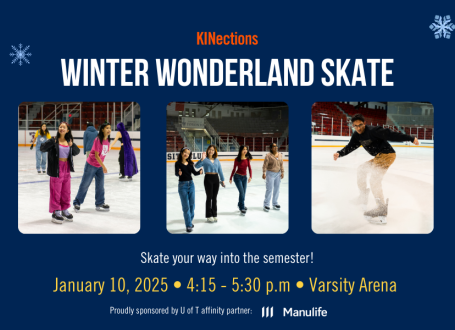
(378, 166)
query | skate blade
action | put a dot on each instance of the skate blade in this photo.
(57, 221)
(376, 221)
(67, 219)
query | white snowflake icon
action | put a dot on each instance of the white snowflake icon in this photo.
(20, 54)
(442, 27)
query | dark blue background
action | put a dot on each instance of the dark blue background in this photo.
(423, 70)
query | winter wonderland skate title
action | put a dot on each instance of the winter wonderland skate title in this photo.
(227, 72)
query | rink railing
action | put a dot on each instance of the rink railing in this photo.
(25, 138)
(329, 126)
(71, 113)
(257, 144)
(342, 141)
(171, 157)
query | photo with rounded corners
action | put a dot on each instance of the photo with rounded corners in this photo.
(372, 167)
(79, 167)
(227, 166)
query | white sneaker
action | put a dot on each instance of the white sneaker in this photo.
(210, 219)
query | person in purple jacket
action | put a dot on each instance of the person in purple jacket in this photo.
(127, 157)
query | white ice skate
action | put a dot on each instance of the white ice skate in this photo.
(378, 216)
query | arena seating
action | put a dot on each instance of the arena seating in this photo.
(375, 117)
(256, 133)
(328, 110)
(174, 142)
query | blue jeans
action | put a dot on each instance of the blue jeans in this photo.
(41, 158)
(241, 182)
(187, 198)
(91, 172)
(272, 182)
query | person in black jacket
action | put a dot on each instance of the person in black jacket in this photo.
(374, 141)
(184, 167)
(60, 151)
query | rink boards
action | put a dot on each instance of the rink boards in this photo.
(25, 138)
(341, 141)
(171, 157)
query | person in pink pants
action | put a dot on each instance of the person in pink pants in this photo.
(61, 150)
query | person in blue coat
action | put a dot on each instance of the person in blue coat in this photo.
(212, 169)
(89, 136)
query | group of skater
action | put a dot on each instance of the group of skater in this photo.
(59, 152)
(185, 168)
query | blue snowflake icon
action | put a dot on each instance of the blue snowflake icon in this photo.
(442, 27)
(20, 54)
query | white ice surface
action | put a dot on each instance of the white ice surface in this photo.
(122, 197)
(230, 221)
(408, 184)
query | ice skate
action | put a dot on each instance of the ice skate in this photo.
(211, 219)
(362, 199)
(67, 216)
(378, 215)
(266, 208)
(57, 217)
(103, 208)
(243, 212)
(215, 219)
(76, 208)
(276, 207)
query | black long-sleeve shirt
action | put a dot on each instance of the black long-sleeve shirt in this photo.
(186, 171)
(374, 141)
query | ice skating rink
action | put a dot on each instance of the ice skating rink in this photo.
(408, 184)
(122, 197)
(230, 221)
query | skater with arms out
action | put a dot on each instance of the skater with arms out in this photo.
(374, 141)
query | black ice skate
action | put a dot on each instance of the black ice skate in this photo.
(243, 212)
(103, 208)
(67, 216)
(379, 214)
(76, 208)
(57, 217)
(362, 199)
(266, 208)
(276, 207)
